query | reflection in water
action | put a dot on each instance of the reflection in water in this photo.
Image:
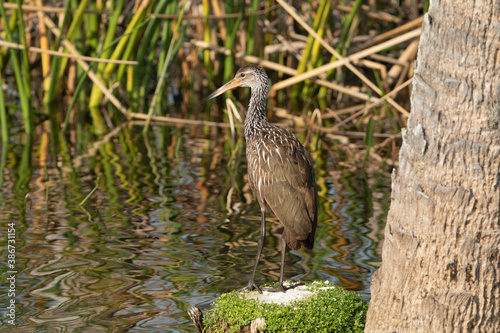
(172, 224)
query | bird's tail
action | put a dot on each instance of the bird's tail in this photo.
(295, 244)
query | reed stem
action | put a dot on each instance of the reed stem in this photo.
(21, 81)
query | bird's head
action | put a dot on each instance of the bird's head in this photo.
(251, 76)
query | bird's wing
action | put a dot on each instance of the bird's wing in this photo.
(288, 186)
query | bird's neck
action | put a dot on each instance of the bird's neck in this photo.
(256, 115)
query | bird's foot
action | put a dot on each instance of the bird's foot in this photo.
(278, 288)
(251, 286)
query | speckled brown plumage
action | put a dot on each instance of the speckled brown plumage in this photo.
(281, 175)
(280, 171)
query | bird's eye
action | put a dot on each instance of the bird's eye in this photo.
(242, 74)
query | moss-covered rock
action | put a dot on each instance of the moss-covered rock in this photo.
(325, 308)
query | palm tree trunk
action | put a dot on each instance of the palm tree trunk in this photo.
(441, 256)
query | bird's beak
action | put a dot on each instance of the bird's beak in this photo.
(234, 83)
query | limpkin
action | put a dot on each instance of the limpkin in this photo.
(280, 171)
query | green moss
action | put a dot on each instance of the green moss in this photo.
(329, 310)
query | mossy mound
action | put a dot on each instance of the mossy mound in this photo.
(329, 308)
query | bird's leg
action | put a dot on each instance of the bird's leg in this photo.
(283, 252)
(251, 284)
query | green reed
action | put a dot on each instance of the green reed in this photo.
(310, 54)
(21, 71)
(52, 92)
(24, 53)
(3, 163)
(251, 29)
(4, 53)
(232, 26)
(122, 50)
(116, 32)
(343, 42)
(60, 70)
(91, 192)
(316, 49)
(3, 118)
(206, 38)
(91, 23)
(167, 36)
(146, 55)
(369, 138)
(173, 47)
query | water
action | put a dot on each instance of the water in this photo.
(171, 224)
